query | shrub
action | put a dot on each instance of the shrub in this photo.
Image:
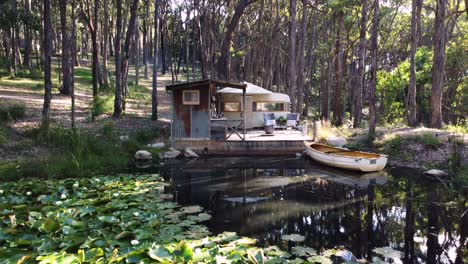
(108, 130)
(429, 140)
(12, 113)
(102, 105)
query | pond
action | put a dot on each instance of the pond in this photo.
(395, 212)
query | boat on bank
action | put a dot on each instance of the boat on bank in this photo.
(345, 158)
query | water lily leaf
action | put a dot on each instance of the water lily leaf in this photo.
(293, 237)
(275, 251)
(108, 219)
(256, 256)
(160, 253)
(388, 252)
(200, 217)
(49, 226)
(93, 254)
(136, 256)
(303, 251)
(319, 259)
(183, 251)
(192, 209)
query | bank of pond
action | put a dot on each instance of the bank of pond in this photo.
(234, 210)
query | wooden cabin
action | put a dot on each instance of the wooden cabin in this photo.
(196, 110)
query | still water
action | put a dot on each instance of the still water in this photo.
(415, 220)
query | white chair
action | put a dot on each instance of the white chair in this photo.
(292, 120)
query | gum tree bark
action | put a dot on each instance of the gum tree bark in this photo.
(154, 92)
(438, 65)
(337, 96)
(361, 67)
(373, 72)
(118, 61)
(415, 20)
(292, 55)
(65, 89)
(47, 63)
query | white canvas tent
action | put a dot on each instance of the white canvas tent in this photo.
(258, 102)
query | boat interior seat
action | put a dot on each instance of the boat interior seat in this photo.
(335, 151)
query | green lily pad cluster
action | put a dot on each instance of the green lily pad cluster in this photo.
(116, 219)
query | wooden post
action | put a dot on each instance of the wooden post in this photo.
(243, 108)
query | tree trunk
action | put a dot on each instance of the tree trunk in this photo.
(154, 92)
(145, 39)
(438, 65)
(95, 49)
(72, 64)
(337, 100)
(300, 60)
(47, 63)
(292, 55)
(105, 44)
(126, 50)
(358, 93)
(224, 61)
(373, 72)
(118, 61)
(65, 89)
(27, 37)
(137, 52)
(415, 18)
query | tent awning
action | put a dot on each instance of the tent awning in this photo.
(250, 90)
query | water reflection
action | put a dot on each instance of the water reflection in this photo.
(266, 198)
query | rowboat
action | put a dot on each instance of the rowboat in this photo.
(345, 158)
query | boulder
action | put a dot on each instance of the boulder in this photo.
(172, 153)
(124, 138)
(336, 141)
(157, 145)
(190, 153)
(435, 173)
(143, 155)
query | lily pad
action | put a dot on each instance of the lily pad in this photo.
(293, 238)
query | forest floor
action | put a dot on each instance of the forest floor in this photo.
(28, 91)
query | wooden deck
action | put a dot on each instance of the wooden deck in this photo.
(278, 135)
(283, 142)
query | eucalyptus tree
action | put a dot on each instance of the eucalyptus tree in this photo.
(438, 64)
(47, 63)
(373, 72)
(66, 71)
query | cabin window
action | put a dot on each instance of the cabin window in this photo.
(191, 97)
(232, 107)
(268, 106)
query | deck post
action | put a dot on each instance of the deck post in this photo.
(243, 109)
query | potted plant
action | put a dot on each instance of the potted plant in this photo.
(281, 121)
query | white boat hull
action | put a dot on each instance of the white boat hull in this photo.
(346, 162)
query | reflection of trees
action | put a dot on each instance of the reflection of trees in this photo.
(329, 212)
(462, 250)
(369, 221)
(433, 248)
(409, 223)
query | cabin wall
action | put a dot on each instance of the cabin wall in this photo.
(191, 121)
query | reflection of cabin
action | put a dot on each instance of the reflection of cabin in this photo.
(212, 115)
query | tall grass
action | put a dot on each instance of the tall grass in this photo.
(12, 113)
(76, 153)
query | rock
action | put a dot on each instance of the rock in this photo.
(336, 141)
(124, 138)
(190, 153)
(435, 173)
(157, 145)
(172, 153)
(143, 155)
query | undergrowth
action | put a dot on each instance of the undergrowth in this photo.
(76, 153)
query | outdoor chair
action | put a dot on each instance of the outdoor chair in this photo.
(269, 119)
(292, 120)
